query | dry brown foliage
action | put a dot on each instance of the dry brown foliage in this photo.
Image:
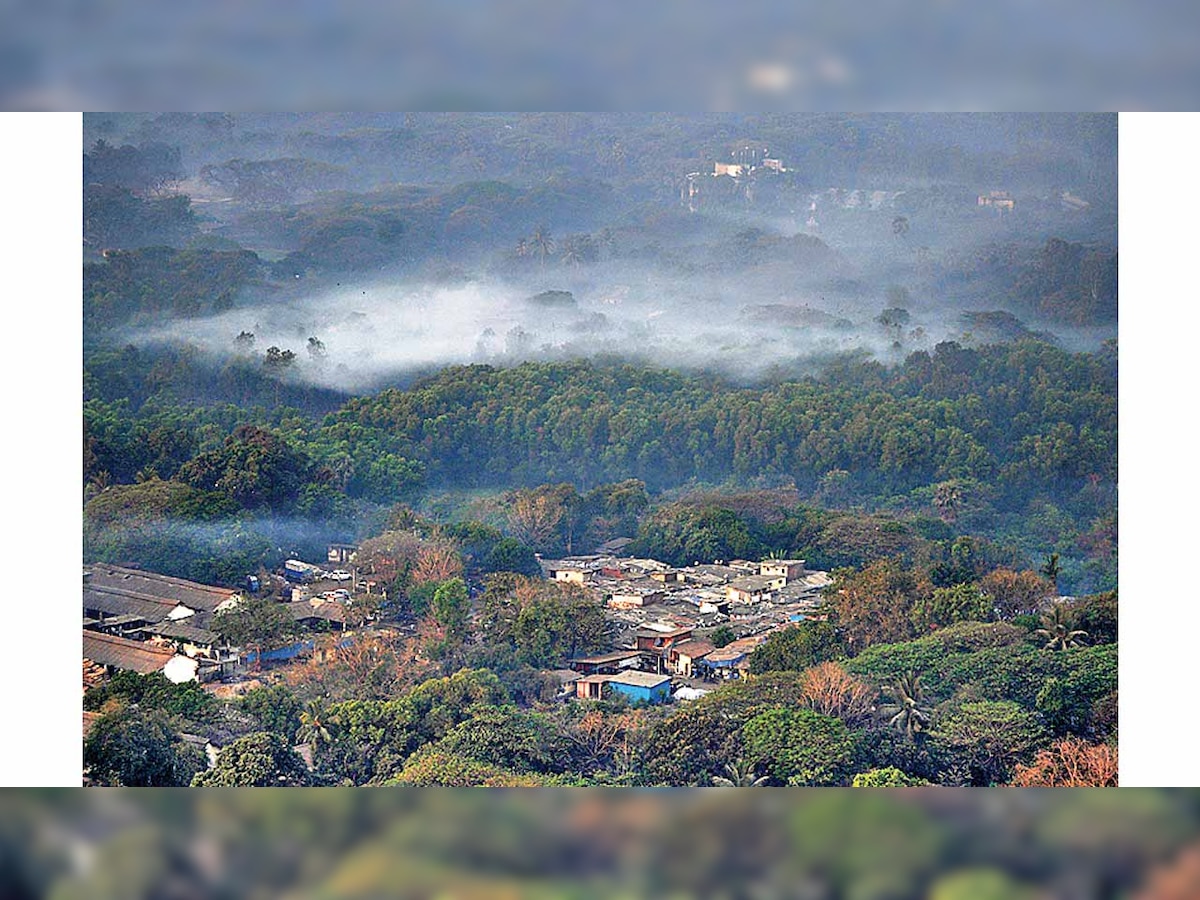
(389, 555)
(1016, 592)
(436, 561)
(601, 737)
(874, 605)
(370, 665)
(1070, 762)
(533, 518)
(829, 689)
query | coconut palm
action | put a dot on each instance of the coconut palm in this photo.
(740, 775)
(542, 241)
(1057, 630)
(907, 713)
(572, 252)
(314, 725)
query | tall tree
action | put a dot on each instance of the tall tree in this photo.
(875, 605)
(543, 242)
(257, 760)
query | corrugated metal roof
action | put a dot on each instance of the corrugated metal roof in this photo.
(153, 585)
(330, 611)
(602, 658)
(184, 632)
(135, 656)
(118, 602)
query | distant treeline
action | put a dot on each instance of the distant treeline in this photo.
(1027, 419)
(1016, 441)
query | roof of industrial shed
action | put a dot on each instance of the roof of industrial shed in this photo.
(153, 585)
(123, 653)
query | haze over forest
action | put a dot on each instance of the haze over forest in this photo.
(405, 242)
(269, 270)
(869, 360)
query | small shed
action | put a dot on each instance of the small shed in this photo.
(722, 663)
(642, 686)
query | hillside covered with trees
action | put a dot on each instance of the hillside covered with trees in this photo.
(885, 345)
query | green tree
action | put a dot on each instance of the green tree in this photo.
(722, 635)
(865, 846)
(451, 605)
(509, 555)
(152, 693)
(262, 759)
(947, 497)
(1097, 615)
(542, 242)
(257, 623)
(886, 777)
(129, 748)
(947, 605)
(797, 648)
(254, 467)
(509, 739)
(1051, 569)
(800, 747)
(991, 736)
(275, 708)
(315, 722)
(739, 774)
(695, 741)
(980, 884)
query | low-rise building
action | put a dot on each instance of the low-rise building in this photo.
(788, 569)
(682, 657)
(341, 554)
(640, 687)
(633, 599)
(750, 589)
(607, 663)
(114, 652)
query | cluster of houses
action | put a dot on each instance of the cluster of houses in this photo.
(658, 614)
(661, 620)
(146, 622)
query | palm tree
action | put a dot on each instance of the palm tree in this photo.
(1050, 569)
(543, 242)
(572, 252)
(907, 712)
(947, 497)
(314, 725)
(1056, 629)
(740, 775)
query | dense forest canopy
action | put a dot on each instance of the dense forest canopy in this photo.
(884, 344)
